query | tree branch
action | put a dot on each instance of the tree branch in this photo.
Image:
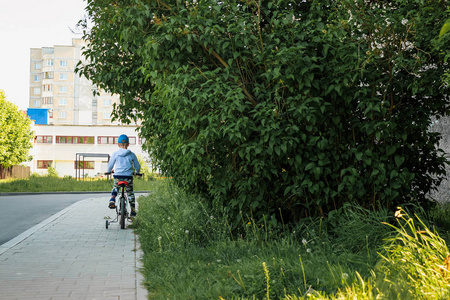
(247, 94)
(163, 4)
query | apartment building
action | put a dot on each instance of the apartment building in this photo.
(68, 97)
(73, 126)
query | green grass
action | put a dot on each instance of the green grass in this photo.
(189, 253)
(66, 184)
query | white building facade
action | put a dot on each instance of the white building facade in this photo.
(58, 146)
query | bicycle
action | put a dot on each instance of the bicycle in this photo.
(121, 209)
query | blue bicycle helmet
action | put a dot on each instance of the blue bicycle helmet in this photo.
(123, 139)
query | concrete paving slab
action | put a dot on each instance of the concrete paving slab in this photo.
(71, 255)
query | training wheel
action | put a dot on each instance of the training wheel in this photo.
(107, 224)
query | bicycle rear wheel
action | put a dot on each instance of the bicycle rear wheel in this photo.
(122, 213)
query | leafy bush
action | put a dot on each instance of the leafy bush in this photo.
(15, 134)
(292, 105)
(51, 171)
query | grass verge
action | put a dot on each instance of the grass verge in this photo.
(354, 254)
(66, 184)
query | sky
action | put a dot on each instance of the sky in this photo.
(26, 24)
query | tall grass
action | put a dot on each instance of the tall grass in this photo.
(67, 184)
(189, 253)
(415, 263)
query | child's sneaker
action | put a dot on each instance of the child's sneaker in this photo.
(133, 213)
(112, 204)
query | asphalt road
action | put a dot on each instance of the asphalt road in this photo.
(19, 213)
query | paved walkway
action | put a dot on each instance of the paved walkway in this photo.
(72, 255)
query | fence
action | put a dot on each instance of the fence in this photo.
(14, 172)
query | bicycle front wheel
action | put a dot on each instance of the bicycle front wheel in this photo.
(122, 213)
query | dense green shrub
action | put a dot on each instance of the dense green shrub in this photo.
(51, 172)
(285, 108)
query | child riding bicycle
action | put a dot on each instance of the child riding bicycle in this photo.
(124, 160)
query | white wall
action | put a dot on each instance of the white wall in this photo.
(64, 155)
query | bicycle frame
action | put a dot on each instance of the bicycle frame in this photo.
(121, 208)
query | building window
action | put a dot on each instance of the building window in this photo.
(36, 103)
(37, 91)
(44, 164)
(63, 76)
(104, 140)
(48, 87)
(47, 100)
(107, 102)
(63, 63)
(63, 89)
(84, 165)
(75, 140)
(106, 115)
(37, 66)
(63, 102)
(94, 102)
(44, 139)
(110, 140)
(37, 78)
(48, 75)
(62, 114)
(94, 116)
(49, 62)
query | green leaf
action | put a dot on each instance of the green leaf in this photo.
(336, 119)
(399, 160)
(309, 166)
(445, 28)
(394, 174)
(390, 149)
(367, 161)
(358, 155)
(277, 150)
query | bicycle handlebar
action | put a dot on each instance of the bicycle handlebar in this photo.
(134, 174)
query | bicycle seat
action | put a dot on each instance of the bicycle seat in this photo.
(122, 183)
